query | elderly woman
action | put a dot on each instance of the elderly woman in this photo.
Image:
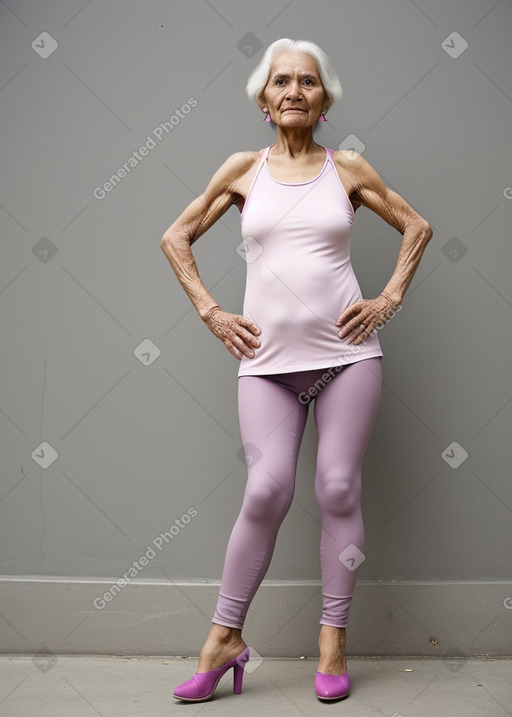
(305, 334)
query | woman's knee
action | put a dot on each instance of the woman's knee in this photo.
(338, 491)
(266, 499)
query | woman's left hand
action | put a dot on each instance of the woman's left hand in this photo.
(361, 318)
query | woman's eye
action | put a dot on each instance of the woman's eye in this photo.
(306, 80)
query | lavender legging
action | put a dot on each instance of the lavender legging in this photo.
(273, 410)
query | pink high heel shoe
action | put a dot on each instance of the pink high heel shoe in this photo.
(202, 685)
(332, 687)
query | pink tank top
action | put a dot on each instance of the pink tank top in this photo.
(299, 275)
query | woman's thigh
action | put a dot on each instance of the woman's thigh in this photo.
(345, 411)
(272, 422)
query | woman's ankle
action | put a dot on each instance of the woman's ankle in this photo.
(332, 631)
(222, 644)
(225, 634)
(332, 636)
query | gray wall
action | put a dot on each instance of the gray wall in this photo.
(104, 358)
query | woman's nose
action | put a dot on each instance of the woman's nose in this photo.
(294, 91)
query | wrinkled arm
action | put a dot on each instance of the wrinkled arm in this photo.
(416, 231)
(176, 243)
(236, 332)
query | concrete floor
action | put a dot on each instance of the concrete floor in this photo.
(393, 687)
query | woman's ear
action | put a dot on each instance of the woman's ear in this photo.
(261, 103)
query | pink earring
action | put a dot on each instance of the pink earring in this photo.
(322, 117)
(266, 118)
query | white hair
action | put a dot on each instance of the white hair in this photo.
(259, 76)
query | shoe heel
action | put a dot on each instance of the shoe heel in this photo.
(238, 672)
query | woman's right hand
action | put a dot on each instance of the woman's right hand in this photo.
(237, 333)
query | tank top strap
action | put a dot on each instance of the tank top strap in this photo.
(263, 157)
(329, 153)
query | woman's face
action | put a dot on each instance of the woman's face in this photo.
(294, 82)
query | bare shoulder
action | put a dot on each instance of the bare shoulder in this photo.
(227, 179)
(364, 178)
(355, 164)
(240, 162)
(354, 172)
(371, 191)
